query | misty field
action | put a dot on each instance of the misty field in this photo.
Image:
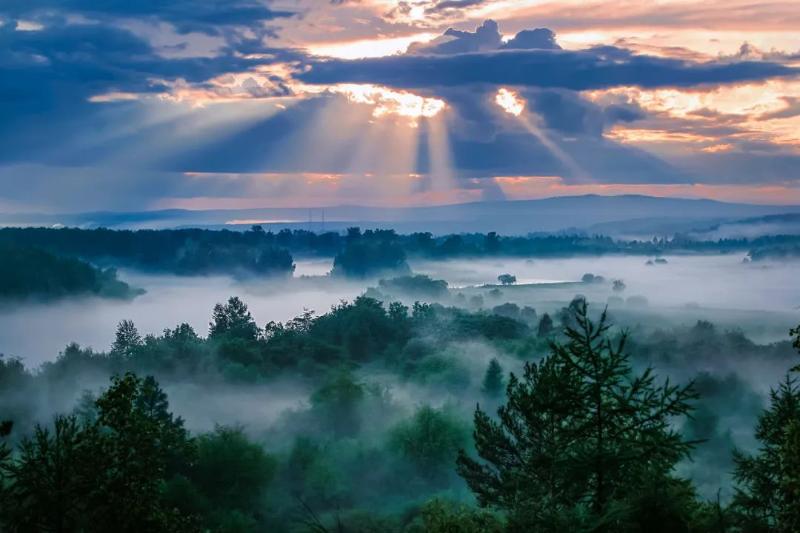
(359, 392)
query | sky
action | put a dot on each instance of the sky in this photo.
(199, 104)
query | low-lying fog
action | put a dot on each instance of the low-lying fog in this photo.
(719, 281)
(37, 332)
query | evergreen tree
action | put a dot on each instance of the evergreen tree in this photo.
(578, 438)
(50, 480)
(493, 379)
(545, 326)
(790, 476)
(767, 493)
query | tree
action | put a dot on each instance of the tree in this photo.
(545, 326)
(127, 340)
(579, 435)
(137, 446)
(492, 243)
(767, 482)
(440, 516)
(430, 440)
(493, 379)
(5, 452)
(233, 320)
(337, 404)
(226, 482)
(108, 474)
(507, 279)
(50, 480)
(618, 285)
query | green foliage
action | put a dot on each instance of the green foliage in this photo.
(366, 255)
(416, 285)
(508, 310)
(507, 279)
(493, 381)
(27, 272)
(51, 479)
(227, 480)
(766, 496)
(337, 404)
(578, 436)
(233, 321)
(186, 252)
(439, 516)
(103, 475)
(545, 328)
(127, 340)
(430, 440)
(140, 444)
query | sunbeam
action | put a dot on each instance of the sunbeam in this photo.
(442, 175)
(510, 102)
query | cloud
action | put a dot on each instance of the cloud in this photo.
(207, 16)
(538, 39)
(596, 68)
(57, 69)
(486, 37)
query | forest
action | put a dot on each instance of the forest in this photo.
(357, 253)
(412, 418)
(27, 272)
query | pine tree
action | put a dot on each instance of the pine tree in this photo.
(790, 477)
(767, 482)
(493, 379)
(578, 438)
(545, 326)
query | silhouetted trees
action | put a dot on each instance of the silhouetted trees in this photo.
(579, 438)
(507, 279)
(27, 272)
(768, 482)
(493, 380)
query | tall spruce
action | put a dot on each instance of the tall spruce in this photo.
(493, 379)
(581, 439)
(768, 482)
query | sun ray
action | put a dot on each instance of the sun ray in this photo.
(510, 102)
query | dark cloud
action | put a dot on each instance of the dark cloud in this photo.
(55, 70)
(570, 114)
(444, 5)
(207, 16)
(595, 68)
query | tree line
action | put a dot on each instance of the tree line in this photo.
(356, 253)
(579, 440)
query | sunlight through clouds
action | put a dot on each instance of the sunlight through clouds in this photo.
(390, 102)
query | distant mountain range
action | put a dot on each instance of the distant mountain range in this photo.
(628, 215)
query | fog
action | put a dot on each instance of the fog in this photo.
(715, 281)
(661, 305)
(756, 294)
(37, 332)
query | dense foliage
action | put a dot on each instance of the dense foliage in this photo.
(189, 251)
(27, 272)
(580, 440)
(356, 253)
(586, 438)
